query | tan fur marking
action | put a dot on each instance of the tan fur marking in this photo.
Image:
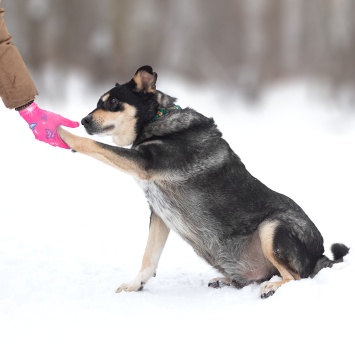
(123, 122)
(105, 97)
(137, 79)
(91, 148)
(158, 234)
(145, 82)
(267, 233)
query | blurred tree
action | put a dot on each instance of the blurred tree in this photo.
(246, 44)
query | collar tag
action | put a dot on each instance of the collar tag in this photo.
(163, 111)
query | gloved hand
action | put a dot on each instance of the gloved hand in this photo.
(44, 124)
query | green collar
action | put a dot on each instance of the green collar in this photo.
(163, 111)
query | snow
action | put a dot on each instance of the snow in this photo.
(72, 230)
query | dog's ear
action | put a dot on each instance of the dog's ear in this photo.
(145, 79)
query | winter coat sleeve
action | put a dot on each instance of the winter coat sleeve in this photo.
(16, 85)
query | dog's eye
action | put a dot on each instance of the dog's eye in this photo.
(113, 101)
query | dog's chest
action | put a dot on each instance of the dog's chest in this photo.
(167, 205)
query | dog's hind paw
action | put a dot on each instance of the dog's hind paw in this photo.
(268, 290)
(219, 282)
(130, 287)
(267, 295)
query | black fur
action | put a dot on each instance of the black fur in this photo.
(339, 251)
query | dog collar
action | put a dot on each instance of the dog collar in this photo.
(163, 111)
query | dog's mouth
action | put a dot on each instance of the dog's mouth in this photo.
(101, 131)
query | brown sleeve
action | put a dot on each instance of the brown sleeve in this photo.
(16, 85)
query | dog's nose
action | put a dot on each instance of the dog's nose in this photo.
(86, 120)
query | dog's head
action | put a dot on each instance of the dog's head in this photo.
(123, 110)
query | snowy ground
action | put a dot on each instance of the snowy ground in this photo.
(72, 230)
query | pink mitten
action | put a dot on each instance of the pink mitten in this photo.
(44, 124)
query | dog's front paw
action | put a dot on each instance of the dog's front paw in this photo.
(137, 284)
(76, 143)
(66, 136)
(134, 286)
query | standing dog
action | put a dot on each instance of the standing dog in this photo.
(198, 187)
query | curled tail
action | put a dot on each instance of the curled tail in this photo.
(338, 251)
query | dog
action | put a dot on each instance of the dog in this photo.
(199, 188)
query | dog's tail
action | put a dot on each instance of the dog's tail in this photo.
(338, 251)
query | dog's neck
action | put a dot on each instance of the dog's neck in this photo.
(163, 111)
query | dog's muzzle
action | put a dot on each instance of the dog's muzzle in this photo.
(92, 127)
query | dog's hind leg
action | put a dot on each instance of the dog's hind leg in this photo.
(158, 234)
(267, 232)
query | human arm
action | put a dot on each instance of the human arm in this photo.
(18, 91)
(16, 85)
